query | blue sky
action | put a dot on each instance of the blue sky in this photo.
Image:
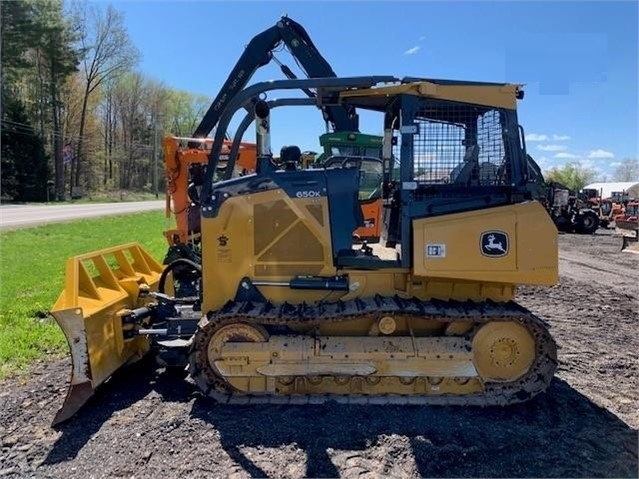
(577, 59)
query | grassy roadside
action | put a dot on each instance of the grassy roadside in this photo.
(100, 197)
(32, 276)
(116, 197)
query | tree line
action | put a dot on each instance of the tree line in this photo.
(77, 115)
(576, 177)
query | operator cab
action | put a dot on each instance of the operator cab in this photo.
(447, 148)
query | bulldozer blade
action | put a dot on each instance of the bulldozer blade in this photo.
(99, 288)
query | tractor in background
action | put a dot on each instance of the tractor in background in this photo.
(627, 226)
(607, 210)
(570, 210)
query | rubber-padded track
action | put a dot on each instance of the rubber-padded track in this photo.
(535, 381)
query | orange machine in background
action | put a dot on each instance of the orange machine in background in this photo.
(607, 209)
(627, 225)
(183, 166)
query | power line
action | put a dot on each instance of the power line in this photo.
(22, 128)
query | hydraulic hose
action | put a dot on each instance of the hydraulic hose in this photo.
(171, 266)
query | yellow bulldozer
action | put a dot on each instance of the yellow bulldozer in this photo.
(285, 307)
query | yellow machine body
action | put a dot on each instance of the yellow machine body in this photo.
(272, 237)
(439, 327)
(280, 316)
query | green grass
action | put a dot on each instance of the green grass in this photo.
(116, 197)
(32, 277)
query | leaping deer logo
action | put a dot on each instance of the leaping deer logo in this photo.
(492, 246)
(494, 243)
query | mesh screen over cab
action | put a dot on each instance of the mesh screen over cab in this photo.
(459, 145)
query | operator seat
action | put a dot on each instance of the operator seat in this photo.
(469, 172)
(488, 174)
(291, 157)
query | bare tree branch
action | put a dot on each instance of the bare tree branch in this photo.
(628, 170)
(108, 52)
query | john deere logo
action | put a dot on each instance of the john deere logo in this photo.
(494, 243)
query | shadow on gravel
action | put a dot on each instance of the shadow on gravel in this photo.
(125, 388)
(558, 434)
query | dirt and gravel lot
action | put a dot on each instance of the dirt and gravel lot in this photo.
(144, 423)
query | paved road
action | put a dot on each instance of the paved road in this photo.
(23, 216)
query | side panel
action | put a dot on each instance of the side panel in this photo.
(514, 244)
(265, 236)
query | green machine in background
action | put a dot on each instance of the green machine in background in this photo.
(349, 143)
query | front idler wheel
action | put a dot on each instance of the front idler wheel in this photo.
(208, 348)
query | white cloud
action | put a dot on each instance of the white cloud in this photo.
(542, 161)
(412, 51)
(536, 137)
(615, 164)
(552, 147)
(561, 137)
(566, 156)
(601, 154)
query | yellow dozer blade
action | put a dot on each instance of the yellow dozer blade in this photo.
(100, 287)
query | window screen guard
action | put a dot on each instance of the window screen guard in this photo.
(460, 145)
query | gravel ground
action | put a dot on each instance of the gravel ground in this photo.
(145, 423)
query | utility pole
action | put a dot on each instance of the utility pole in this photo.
(155, 156)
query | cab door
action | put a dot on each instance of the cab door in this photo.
(370, 192)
